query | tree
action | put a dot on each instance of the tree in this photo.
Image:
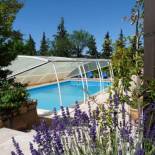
(121, 40)
(30, 46)
(137, 19)
(61, 46)
(18, 43)
(107, 47)
(8, 36)
(44, 46)
(62, 32)
(12, 94)
(92, 49)
(80, 41)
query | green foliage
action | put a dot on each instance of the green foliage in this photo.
(8, 37)
(122, 67)
(62, 32)
(29, 48)
(61, 46)
(137, 19)
(12, 95)
(92, 49)
(8, 11)
(44, 46)
(107, 47)
(18, 44)
(126, 62)
(120, 43)
(77, 44)
(137, 100)
(149, 91)
(80, 40)
(148, 147)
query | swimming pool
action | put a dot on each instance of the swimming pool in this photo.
(72, 91)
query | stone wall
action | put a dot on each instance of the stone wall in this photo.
(22, 119)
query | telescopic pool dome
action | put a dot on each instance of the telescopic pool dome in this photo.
(40, 69)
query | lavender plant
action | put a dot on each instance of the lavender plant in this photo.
(108, 130)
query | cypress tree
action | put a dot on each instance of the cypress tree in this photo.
(44, 46)
(92, 49)
(107, 47)
(61, 46)
(62, 32)
(30, 46)
(121, 40)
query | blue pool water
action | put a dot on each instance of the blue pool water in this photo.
(48, 96)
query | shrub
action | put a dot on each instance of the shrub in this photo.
(12, 95)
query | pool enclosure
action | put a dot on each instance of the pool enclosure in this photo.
(36, 70)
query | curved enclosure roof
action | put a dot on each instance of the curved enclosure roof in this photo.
(39, 69)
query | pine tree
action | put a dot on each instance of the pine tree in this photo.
(62, 32)
(92, 49)
(61, 46)
(44, 46)
(121, 40)
(107, 47)
(132, 41)
(30, 47)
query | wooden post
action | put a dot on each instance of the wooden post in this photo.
(149, 39)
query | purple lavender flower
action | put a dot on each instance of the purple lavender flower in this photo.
(67, 112)
(84, 119)
(104, 122)
(125, 135)
(120, 152)
(77, 115)
(89, 110)
(33, 151)
(63, 112)
(139, 151)
(97, 112)
(16, 145)
(93, 131)
(130, 124)
(13, 153)
(69, 131)
(78, 134)
(55, 119)
(115, 116)
(58, 147)
(123, 113)
(55, 113)
(43, 137)
(116, 100)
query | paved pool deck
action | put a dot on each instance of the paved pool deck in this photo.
(6, 145)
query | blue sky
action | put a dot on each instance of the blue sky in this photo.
(94, 16)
